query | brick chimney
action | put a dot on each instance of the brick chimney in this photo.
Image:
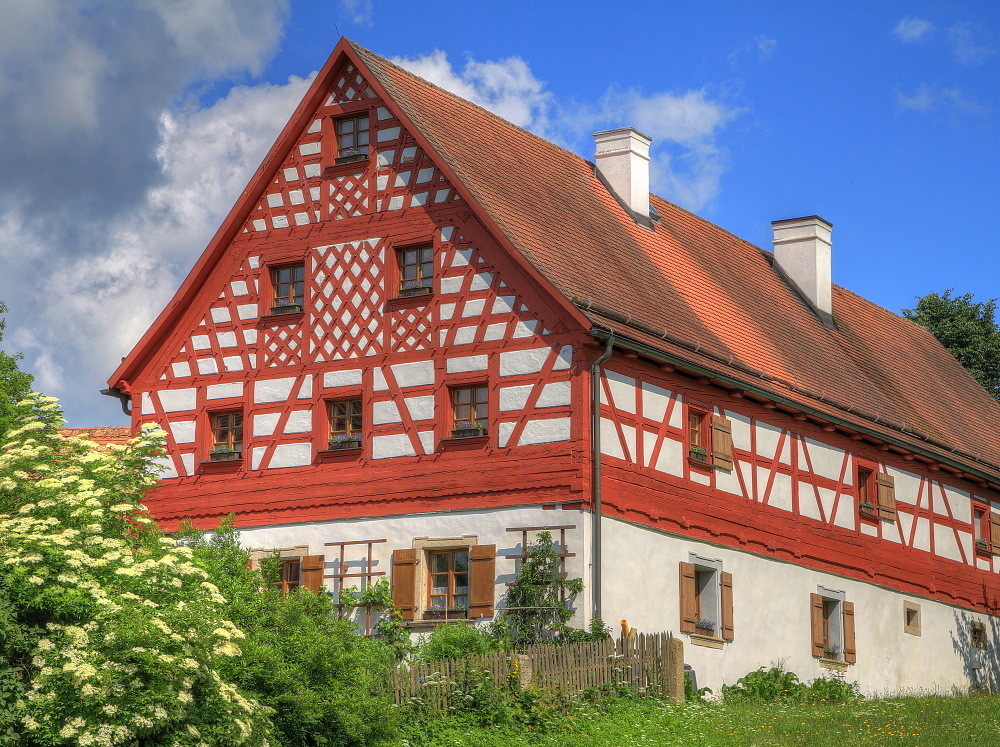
(622, 159)
(802, 254)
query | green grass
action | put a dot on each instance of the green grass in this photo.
(930, 721)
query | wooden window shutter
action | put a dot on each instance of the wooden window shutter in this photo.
(312, 572)
(994, 531)
(404, 581)
(727, 605)
(850, 648)
(689, 600)
(722, 443)
(886, 487)
(328, 145)
(816, 617)
(482, 585)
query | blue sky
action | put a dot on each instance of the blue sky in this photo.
(136, 123)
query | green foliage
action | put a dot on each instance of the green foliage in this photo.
(389, 625)
(15, 386)
(455, 641)
(119, 637)
(326, 684)
(538, 604)
(967, 329)
(776, 684)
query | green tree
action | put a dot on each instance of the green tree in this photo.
(539, 603)
(325, 684)
(114, 636)
(967, 329)
(14, 384)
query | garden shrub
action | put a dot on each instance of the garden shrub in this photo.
(456, 640)
(774, 684)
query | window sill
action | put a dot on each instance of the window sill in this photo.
(436, 622)
(708, 641)
(417, 299)
(350, 167)
(869, 516)
(984, 552)
(339, 455)
(700, 464)
(835, 665)
(462, 443)
(269, 320)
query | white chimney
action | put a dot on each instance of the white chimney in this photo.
(622, 159)
(802, 253)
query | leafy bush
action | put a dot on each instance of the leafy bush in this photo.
(455, 641)
(776, 684)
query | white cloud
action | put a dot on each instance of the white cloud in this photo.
(928, 97)
(112, 188)
(359, 11)
(970, 44)
(913, 29)
(765, 46)
(687, 163)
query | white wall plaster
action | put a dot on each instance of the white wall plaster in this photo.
(272, 390)
(265, 423)
(385, 412)
(182, 431)
(467, 363)
(222, 391)
(420, 373)
(177, 400)
(291, 455)
(420, 408)
(350, 377)
(394, 445)
(299, 421)
(180, 369)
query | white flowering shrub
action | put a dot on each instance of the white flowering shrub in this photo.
(117, 638)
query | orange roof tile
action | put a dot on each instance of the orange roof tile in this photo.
(103, 435)
(698, 282)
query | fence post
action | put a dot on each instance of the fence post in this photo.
(675, 674)
(525, 673)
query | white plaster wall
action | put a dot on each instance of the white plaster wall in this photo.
(772, 615)
(489, 525)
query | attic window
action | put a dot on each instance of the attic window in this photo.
(416, 270)
(288, 284)
(352, 138)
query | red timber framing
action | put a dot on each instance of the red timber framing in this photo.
(791, 493)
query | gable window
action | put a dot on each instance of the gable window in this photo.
(986, 530)
(416, 270)
(710, 438)
(876, 493)
(288, 285)
(227, 436)
(352, 138)
(706, 597)
(447, 578)
(866, 488)
(832, 619)
(344, 418)
(469, 411)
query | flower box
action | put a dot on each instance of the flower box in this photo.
(868, 509)
(288, 308)
(351, 158)
(698, 454)
(467, 432)
(705, 627)
(983, 546)
(417, 290)
(225, 456)
(342, 444)
(453, 613)
(832, 652)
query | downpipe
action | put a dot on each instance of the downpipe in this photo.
(595, 460)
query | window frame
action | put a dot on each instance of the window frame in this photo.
(833, 627)
(355, 413)
(481, 423)
(411, 582)
(283, 583)
(286, 304)
(231, 442)
(355, 152)
(452, 594)
(422, 282)
(867, 490)
(706, 596)
(699, 435)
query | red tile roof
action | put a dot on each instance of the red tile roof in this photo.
(103, 435)
(699, 283)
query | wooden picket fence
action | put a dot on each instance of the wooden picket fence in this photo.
(647, 664)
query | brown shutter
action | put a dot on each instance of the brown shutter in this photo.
(722, 443)
(816, 602)
(886, 486)
(404, 581)
(727, 606)
(689, 598)
(994, 531)
(328, 146)
(483, 581)
(312, 572)
(850, 648)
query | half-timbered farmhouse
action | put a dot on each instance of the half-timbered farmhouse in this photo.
(423, 334)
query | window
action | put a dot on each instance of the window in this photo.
(833, 626)
(227, 435)
(911, 618)
(986, 529)
(290, 574)
(865, 489)
(876, 493)
(449, 580)
(469, 411)
(977, 634)
(706, 593)
(288, 284)
(710, 439)
(352, 138)
(344, 418)
(416, 270)
(444, 578)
